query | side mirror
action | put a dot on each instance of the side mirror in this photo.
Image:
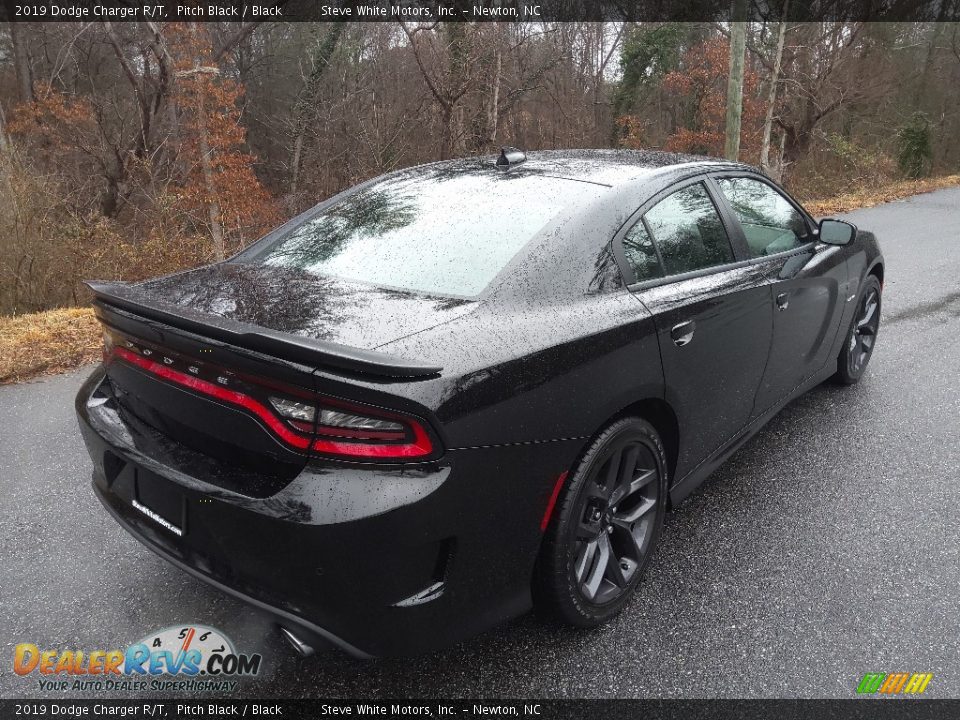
(837, 232)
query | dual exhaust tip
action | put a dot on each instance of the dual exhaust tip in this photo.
(303, 649)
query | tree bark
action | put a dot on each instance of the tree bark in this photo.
(3, 131)
(21, 61)
(794, 145)
(206, 166)
(493, 112)
(213, 205)
(772, 94)
(456, 36)
(738, 44)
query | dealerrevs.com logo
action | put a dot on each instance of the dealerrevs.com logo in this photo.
(181, 657)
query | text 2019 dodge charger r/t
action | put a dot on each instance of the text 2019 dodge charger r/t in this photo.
(401, 417)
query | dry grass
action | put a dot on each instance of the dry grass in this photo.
(47, 342)
(870, 196)
(58, 340)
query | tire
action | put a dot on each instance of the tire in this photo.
(622, 510)
(861, 336)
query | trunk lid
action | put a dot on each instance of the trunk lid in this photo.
(224, 361)
(300, 303)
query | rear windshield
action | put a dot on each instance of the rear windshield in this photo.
(437, 231)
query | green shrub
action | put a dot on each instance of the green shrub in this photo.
(914, 151)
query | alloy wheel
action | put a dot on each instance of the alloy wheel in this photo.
(616, 522)
(863, 334)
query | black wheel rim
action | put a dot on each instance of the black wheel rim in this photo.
(863, 335)
(616, 520)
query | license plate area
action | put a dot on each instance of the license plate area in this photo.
(161, 501)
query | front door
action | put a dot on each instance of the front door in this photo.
(808, 282)
(713, 318)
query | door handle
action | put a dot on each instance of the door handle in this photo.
(682, 333)
(783, 301)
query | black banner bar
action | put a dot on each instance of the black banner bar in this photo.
(474, 10)
(911, 709)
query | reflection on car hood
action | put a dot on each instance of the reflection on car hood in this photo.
(302, 303)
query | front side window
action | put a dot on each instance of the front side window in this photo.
(770, 222)
(688, 231)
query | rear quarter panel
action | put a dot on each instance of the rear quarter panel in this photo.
(532, 373)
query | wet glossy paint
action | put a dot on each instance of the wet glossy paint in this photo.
(556, 345)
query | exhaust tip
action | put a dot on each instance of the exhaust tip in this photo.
(302, 648)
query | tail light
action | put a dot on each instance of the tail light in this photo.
(304, 421)
(342, 428)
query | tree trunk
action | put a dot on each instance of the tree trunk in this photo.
(3, 132)
(308, 96)
(295, 161)
(206, 166)
(456, 38)
(213, 205)
(446, 132)
(794, 145)
(738, 44)
(21, 61)
(493, 114)
(920, 91)
(142, 146)
(772, 94)
(110, 197)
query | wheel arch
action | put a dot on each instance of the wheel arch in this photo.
(877, 271)
(654, 410)
(659, 413)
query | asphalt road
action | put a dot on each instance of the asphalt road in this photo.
(828, 547)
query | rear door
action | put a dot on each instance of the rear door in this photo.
(712, 313)
(808, 282)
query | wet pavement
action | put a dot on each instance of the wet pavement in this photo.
(829, 546)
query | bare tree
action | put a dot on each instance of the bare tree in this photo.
(454, 67)
(319, 61)
(772, 96)
(738, 44)
(823, 76)
(21, 58)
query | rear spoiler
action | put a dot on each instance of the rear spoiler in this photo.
(317, 353)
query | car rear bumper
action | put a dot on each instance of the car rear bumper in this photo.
(379, 560)
(284, 618)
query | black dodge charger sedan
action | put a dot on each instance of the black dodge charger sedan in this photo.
(459, 389)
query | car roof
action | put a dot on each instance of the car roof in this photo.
(598, 166)
(613, 167)
(605, 167)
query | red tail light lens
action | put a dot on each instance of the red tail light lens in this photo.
(414, 443)
(305, 422)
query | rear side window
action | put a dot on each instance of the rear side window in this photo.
(771, 224)
(641, 254)
(688, 231)
(445, 231)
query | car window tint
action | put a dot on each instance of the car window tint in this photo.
(431, 230)
(688, 231)
(770, 223)
(641, 254)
